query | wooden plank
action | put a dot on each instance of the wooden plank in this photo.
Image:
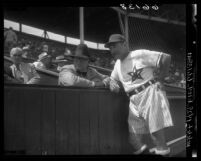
(20, 121)
(105, 123)
(67, 122)
(32, 101)
(122, 122)
(48, 123)
(109, 124)
(88, 122)
(13, 121)
(94, 125)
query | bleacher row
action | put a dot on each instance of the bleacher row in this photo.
(98, 58)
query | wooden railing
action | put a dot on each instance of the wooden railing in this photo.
(50, 78)
(66, 120)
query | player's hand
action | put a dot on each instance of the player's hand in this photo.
(114, 87)
(160, 86)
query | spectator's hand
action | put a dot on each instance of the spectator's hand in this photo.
(99, 84)
(106, 81)
(114, 87)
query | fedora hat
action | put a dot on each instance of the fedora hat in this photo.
(114, 38)
(59, 59)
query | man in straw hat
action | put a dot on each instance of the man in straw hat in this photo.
(149, 108)
(64, 59)
(60, 61)
(23, 72)
(80, 74)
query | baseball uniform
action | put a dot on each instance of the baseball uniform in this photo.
(148, 109)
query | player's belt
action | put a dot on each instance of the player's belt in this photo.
(142, 87)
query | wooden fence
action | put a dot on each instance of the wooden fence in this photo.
(64, 121)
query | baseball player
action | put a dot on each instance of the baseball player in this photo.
(149, 108)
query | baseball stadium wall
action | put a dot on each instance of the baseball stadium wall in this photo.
(74, 121)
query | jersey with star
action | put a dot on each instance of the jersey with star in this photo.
(135, 74)
(136, 69)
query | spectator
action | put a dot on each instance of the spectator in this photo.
(80, 74)
(23, 72)
(10, 38)
(53, 53)
(45, 48)
(61, 61)
(27, 52)
(97, 62)
(43, 62)
(8, 77)
(67, 52)
(183, 80)
(170, 79)
(177, 77)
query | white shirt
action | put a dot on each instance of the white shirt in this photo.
(25, 73)
(136, 69)
(69, 77)
(39, 65)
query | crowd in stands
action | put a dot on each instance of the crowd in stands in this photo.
(49, 54)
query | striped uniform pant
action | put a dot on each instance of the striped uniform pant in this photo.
(149, 111)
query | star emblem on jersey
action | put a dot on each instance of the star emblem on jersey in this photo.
(135, 74)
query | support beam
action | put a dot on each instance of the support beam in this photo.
(126, 30)
(119, 10)
(82, 25)
(150, 17)
(121, 23)
(157, 19)
(20, 29)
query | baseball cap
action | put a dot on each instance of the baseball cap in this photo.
(16, 51)
(114, 38)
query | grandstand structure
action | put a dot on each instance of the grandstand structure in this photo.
(50, 120)
(161, 30)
